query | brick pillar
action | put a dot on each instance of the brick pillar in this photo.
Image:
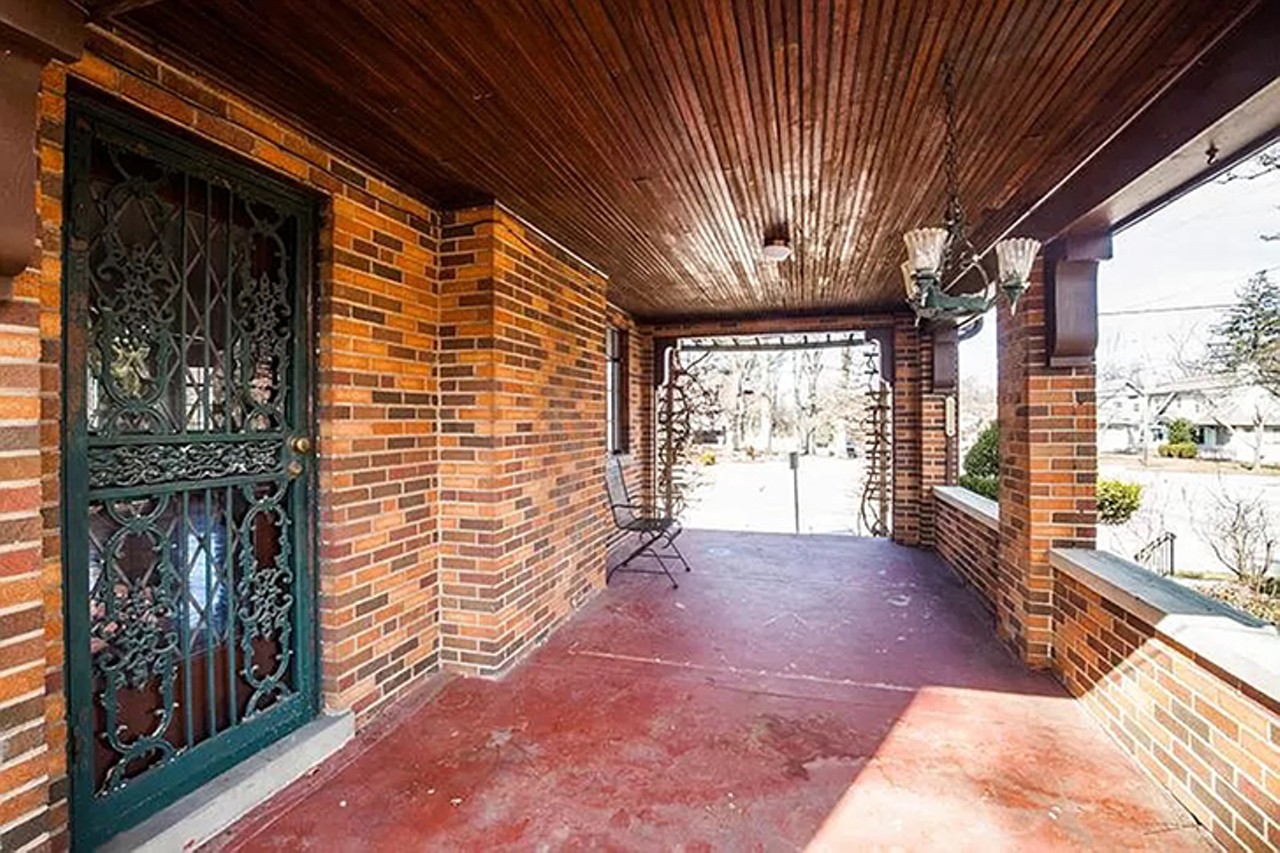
(1048, 470)
(522, 432)
(32, 712)
(920, 443)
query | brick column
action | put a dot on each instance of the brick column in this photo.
(1048, 470)
(920, 458)
(32, 712)
(522, 437)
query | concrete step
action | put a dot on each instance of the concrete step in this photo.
(222, 801)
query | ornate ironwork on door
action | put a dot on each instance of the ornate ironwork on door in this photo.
(187, 474)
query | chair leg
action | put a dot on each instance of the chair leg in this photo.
(687, 567)
(667, 572)
(647, 546)
(671, 543)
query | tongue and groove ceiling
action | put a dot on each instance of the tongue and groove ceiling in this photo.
(664, 140)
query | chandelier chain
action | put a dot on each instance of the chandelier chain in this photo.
(951, 161)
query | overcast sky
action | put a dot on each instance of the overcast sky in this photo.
(1192, 254)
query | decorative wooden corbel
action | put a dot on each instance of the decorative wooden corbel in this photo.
(32, 32)
(1071, 297)
(884, 336)
(946, 358)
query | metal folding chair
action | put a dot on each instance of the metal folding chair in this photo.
(656, 534)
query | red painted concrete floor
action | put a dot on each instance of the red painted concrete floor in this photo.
(822, 692)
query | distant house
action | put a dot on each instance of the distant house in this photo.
(1231, 419)
(1122, 422)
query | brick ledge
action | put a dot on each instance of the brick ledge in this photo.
(1230, 640)
(984, 510)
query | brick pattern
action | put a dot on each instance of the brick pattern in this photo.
(920, 444)
(31, 709)
(522, 441)
(970, 545)
(1204, 735)
(1048, 470)
(377, 502)
(908, 487)
(378, 497)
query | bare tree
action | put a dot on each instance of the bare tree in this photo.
(1240, 530)
(773, 402)
(807, 366)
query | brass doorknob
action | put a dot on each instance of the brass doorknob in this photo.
(301, 444)
(294, 469)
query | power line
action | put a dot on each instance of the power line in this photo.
(1179, 309)
(1194, 288)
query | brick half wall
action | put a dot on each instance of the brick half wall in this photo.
(968, 538)
(1187, 686)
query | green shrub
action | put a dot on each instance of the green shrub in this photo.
(1118, 501)
(1181, 432)
(982, 463)
(985, 486)
(983, 459)
(1179, 450)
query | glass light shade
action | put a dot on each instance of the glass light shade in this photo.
(908, 278)
(776, 251)
(925, 247)
(1015, 256)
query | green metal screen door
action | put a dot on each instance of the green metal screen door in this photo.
(186, 466)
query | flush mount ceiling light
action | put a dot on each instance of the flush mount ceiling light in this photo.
(941, 255)
(776, 250)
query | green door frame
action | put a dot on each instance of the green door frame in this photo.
(94, 818)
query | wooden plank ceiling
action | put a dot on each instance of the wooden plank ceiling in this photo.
(663, 140)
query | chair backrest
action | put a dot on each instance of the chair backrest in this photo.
(616, 486)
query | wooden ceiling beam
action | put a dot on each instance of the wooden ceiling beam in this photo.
(1166, 146)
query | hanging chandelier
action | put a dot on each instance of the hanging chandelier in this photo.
(938, 257)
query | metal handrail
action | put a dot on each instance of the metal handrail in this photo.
(1157, 555)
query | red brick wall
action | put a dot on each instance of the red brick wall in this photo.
(920, 459)
(377, 501)
(970, 543)
(1208, 738)
(1048, 470)
(31, 709)
(522, 383)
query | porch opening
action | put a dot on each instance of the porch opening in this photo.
(781, 433)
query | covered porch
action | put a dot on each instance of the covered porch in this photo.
(319, 319)
(822, 691)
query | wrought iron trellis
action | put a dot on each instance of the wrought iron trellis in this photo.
(675, 432)
(679, 396)
(190, 622)
(878, 451)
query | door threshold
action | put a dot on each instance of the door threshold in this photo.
(220, 802)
